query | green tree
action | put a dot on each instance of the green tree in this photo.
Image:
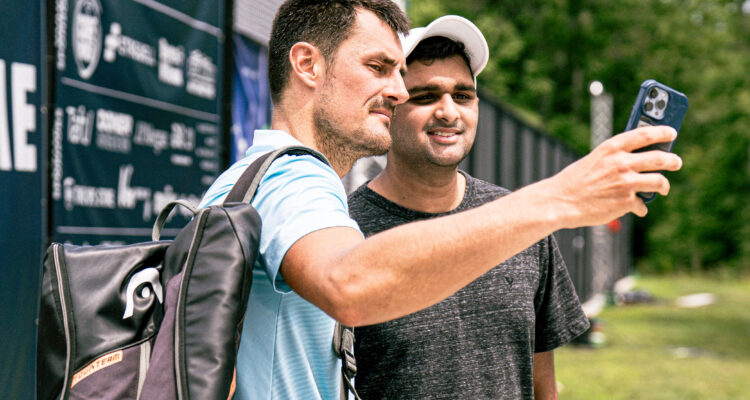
(544, 54)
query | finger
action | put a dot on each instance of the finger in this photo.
(652, 182)
(655, 160)
(640, 208)
(642, 137)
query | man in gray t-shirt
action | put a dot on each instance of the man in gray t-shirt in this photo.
(494, 338)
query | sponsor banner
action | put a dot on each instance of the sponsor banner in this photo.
(21, 198)
(251, 97)
(137, 115)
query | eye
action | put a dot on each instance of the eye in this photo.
(424, 98)
(463, 97)
(377, 68)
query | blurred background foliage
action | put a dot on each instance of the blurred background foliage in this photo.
(544, 54)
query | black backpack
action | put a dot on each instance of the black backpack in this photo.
(153, 320)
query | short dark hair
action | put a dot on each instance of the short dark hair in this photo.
(323, 23)
(438, 48)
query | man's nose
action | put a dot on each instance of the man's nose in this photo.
(396, 91)
(446, 109)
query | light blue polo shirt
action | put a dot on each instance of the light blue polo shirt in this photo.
(286, 348)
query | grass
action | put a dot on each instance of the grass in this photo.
(660, 351)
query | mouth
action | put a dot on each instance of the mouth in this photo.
(445, 132)
(383, 113)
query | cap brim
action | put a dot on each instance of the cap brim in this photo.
(455, 28)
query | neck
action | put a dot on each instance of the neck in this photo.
(430, 189)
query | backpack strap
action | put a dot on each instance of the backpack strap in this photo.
(162, 217)
(343, 345)
(245, 188)
(243, 191)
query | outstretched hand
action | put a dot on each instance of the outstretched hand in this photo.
(604, 184)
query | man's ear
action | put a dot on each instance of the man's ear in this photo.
(307, 63)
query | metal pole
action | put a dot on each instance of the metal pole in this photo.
(602, 254)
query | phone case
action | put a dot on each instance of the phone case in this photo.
(646, 111)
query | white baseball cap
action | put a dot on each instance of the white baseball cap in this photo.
(455, 28)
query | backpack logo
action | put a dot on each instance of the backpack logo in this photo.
(149, 276)
(99, 364)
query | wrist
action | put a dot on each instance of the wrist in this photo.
(551, 205)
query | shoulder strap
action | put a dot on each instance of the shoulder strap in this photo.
(243, 191)
(343, 345)
(245, 188)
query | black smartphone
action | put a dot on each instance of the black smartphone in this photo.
(657, 104)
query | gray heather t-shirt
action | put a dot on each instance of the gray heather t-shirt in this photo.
(478, 343)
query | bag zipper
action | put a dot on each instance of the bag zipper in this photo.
(145, 361)
(180, 299)
(66, 326)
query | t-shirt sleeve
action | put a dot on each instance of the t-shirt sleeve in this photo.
(559, 316)
(297, 196)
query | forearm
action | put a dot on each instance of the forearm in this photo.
(413, 266)
(545, 386)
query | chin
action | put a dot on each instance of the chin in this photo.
(445, 160)
(381, 137)
(370, 142)
(380, 146)
(445, 163)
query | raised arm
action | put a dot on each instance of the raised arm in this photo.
(405, 269)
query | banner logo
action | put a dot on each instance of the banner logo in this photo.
(87, 36)
(118, 44)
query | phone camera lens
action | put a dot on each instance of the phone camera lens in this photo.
(660, 104)
(648, 106)
(653, 93)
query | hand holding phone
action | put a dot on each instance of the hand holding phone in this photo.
(657, 104)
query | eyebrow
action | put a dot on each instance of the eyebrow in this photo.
(385, 59)
(433, 88)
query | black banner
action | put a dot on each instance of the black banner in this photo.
(21, 198)
(137, 114)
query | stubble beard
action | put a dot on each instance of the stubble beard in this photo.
(344, 148)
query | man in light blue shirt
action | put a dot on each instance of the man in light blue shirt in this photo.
(335, 71)
(282, 332)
